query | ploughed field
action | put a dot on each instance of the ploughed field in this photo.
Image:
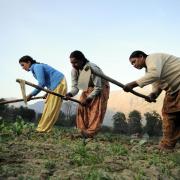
(26, 154)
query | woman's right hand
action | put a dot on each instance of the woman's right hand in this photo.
(45, 96)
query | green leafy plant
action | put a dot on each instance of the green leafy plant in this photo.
(118, 149)
(82, 155)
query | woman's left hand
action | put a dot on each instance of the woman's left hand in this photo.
(28, 97)
(86, 102)
(128, 87)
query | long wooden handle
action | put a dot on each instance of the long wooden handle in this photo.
(19, 100)
(47, 90)
(119, 84)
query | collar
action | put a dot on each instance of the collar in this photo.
(32, 67)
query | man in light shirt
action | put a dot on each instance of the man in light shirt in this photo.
(163, 72)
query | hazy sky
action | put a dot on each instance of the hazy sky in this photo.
(106, 31)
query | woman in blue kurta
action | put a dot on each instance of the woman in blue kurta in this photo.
(55, 81)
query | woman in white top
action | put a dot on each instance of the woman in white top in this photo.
(94, 99)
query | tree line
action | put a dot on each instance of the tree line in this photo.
(11, 114)
(133, 124)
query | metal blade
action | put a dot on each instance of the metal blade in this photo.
(23, 90)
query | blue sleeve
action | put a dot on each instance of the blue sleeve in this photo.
(40, 76)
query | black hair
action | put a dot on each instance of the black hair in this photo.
(78, 55)
(137, 54)
(27, 59)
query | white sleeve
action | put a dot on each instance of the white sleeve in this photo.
(74, 82)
